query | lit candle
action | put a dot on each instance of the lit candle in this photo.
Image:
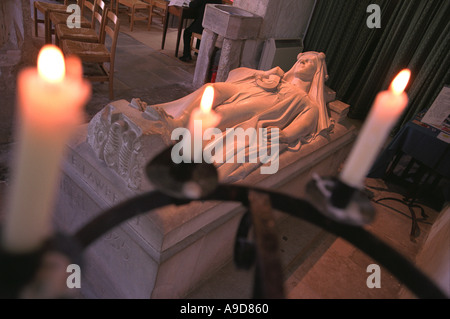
(385, 112)
(201, 119)
(50, 101)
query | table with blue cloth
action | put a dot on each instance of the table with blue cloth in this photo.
(421, 142)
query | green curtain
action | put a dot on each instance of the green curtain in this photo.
(414, 34)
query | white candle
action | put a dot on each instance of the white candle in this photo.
(385, 112)
(201, 119)
(50, 101)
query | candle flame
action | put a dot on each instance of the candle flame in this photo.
(207, 99)
(400, 82)
(51, 66)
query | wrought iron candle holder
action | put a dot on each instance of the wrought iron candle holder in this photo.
(336, 208)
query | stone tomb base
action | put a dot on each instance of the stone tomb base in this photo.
(169, 252)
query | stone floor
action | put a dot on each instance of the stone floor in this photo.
(316, 264)
(328, 267)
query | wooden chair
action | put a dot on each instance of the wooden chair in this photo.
(135, 9)
(92, 34)
(159, 9)
(54, 18)
(197, 37)
(43, 7)
(111, 5)
(98, 53)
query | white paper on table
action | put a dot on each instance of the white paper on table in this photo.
(179, 3)
(444, 137)
(439, 110)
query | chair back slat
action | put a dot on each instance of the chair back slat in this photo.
(99, 16)
(90, 5)
(162, 4)
(90, 8)
(111, 27)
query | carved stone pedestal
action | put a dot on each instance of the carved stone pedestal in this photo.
(163, 254)
(235, 26)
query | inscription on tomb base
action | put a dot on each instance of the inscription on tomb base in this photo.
(102, 186)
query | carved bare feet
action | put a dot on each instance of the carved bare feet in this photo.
(156, 113)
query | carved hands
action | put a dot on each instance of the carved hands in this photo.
(270, 79)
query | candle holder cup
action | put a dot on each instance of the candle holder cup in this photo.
(183, 180)
(340, 202)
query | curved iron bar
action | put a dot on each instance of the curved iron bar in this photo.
(122, 212)
(394, 262)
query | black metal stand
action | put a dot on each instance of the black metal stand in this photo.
(410, 203)
(180, 184)
(410, 199)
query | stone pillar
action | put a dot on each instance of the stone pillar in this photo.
(229, 58)
(205, 56)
